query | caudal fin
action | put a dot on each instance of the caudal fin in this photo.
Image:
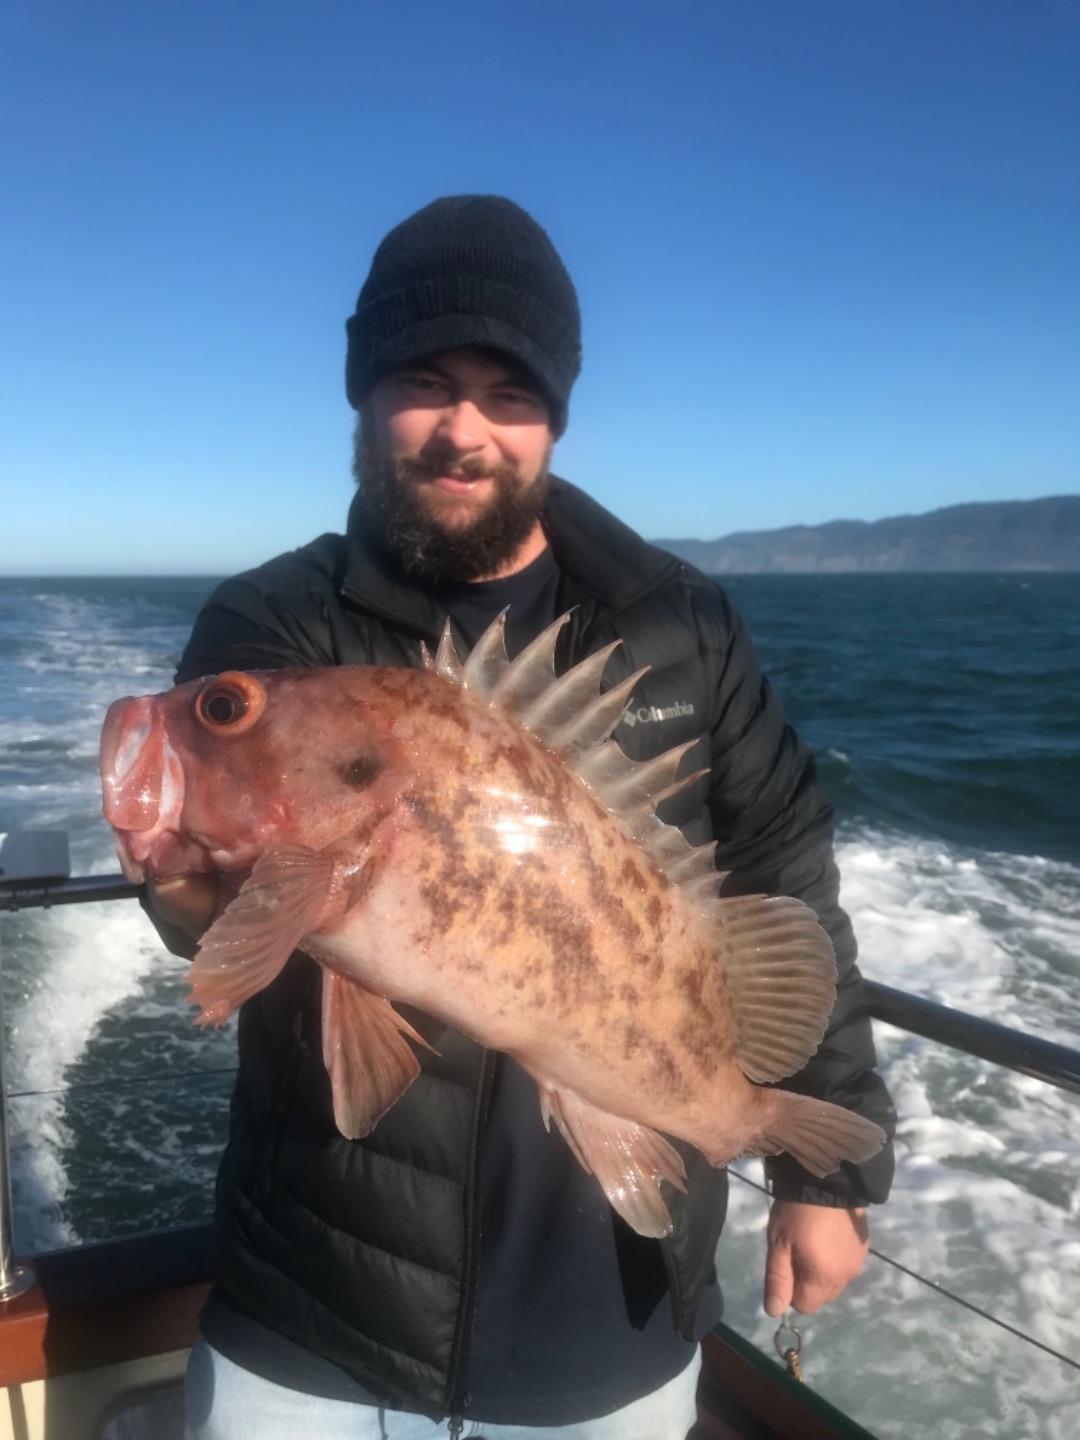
(820, 1136)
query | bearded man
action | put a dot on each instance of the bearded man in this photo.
(457, 1265)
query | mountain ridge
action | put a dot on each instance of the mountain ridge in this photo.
(1041, 534)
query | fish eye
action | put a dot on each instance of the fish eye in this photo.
(221, 705)
(231, 703)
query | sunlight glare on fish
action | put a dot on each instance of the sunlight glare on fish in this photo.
(521, 834)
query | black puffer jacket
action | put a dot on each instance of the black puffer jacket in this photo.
(364, 1252)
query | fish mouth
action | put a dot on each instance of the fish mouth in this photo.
(142, 783)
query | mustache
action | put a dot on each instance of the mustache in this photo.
(409, 519)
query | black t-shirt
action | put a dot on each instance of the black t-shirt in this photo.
(530, 598)
(572, 1317)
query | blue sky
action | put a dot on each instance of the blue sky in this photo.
(826, 251)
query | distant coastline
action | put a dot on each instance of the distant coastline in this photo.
(1009, 535)
(1016, 535)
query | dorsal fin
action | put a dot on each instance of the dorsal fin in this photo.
(488, 661)
(447, 661)
(594, 723)
(778, 961)
(531, 673)
(574, 716)
(564, 700)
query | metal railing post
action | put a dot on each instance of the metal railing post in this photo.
(34, 856)
(15, 1279)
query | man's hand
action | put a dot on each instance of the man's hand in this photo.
(814, 1251)
(190, 902)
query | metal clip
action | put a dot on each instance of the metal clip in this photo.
(789, 1353)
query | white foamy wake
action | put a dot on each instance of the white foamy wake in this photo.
(987, 1194)
(995, 934)
(96, 956)
(65, 969)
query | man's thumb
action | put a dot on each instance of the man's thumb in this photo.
(779, 1280)
(189, 902)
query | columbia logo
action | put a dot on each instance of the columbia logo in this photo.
(649, 714)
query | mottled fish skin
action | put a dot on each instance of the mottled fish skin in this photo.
(424, 846)
(511, 905)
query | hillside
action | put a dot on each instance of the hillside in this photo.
(1006, 535)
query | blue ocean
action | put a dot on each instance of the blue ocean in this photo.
(945, 713)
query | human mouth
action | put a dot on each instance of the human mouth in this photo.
(460, 484)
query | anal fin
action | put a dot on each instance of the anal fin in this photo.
(628, 1159)
(367, 1055)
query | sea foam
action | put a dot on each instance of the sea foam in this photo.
(987, 1192)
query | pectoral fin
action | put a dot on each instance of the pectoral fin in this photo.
(368, 1059)
(280, 902)
(628, 1159)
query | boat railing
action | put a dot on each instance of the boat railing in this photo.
(1029, 1055)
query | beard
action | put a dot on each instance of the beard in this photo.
(458, 540)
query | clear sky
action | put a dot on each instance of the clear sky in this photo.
(828, 253)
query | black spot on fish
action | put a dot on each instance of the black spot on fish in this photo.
(632, 875)
(666, 1070)
(701, 1043)
(361, 772)
(633, 1039)
(690, 979)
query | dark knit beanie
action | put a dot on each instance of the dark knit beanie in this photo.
(467, 270)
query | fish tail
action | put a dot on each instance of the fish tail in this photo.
(819, 1135)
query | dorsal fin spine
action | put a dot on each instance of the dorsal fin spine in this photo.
(531, 673)
(563, 700)
(447, 660)
(574, 716)
(596, 721)
(648, 774)
(488, 661)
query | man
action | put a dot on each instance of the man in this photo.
(458, 1263)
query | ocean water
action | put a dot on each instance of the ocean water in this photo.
(945, 711)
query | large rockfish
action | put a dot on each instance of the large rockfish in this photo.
(469, 840)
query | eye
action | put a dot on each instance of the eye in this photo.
(522, 403)
(222, 705)
(230, 704)
(423, 389)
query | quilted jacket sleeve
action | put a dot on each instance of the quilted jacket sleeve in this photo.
(268, 619)
(775, 829)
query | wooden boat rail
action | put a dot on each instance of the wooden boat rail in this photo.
(99, 1305)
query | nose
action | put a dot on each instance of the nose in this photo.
(461, 427)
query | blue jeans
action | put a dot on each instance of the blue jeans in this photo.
(225, 1402)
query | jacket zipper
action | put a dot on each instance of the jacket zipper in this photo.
(458, 1396)
(683, 1322)
(283, 1098)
